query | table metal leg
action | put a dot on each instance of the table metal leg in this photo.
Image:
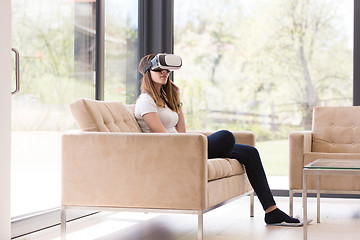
(304, 196)
(318, 198)
(63, 223)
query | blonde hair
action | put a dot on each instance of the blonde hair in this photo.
(167, 92)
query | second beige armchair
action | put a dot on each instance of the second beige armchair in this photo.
(335, 135)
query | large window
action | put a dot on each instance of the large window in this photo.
(57, 44)
(263, 65)
(121, 50)
(258, 65)
(45, 33)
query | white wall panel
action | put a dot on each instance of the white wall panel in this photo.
(5, 119)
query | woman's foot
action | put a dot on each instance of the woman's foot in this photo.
(278, 216)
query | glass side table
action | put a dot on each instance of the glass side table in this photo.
(325, 167)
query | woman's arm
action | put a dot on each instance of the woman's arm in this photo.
(153, 121)
(180, 126)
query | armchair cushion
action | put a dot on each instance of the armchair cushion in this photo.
(223, 167)
(336, 129)
(98, 116)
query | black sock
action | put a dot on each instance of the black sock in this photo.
(278, 216)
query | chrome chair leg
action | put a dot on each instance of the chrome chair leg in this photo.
(252, 204)
(291, 203)
(200, 226)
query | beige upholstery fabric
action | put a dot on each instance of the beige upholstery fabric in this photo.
(98, 116)
(227, 188)
(128, 169)
(223, 167)
(335, 135)
(243, 137)
(110, 163)
(336, 129)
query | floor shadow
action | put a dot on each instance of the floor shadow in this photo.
(147, 230)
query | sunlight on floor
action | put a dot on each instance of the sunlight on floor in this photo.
(339, 220)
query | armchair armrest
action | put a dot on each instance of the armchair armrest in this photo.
(144, 170)
(242, 137)
(300, 142)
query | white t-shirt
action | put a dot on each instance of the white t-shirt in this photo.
(146, 104)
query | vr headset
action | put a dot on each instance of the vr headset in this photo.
(165, 61)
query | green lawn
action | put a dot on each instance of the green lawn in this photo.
(275, 157)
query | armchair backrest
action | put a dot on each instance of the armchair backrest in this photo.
(100, 116)
(336, 129)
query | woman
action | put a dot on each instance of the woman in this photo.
(158, 109)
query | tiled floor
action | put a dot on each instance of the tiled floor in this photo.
(340, 219)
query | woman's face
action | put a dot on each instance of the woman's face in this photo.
(160, 77)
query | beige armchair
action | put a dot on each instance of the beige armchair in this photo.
(111, 165)
(335, 135)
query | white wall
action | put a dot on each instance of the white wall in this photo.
(5, 122)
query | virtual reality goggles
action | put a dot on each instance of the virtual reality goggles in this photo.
(165, 61)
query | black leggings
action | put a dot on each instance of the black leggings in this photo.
(222, 144)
